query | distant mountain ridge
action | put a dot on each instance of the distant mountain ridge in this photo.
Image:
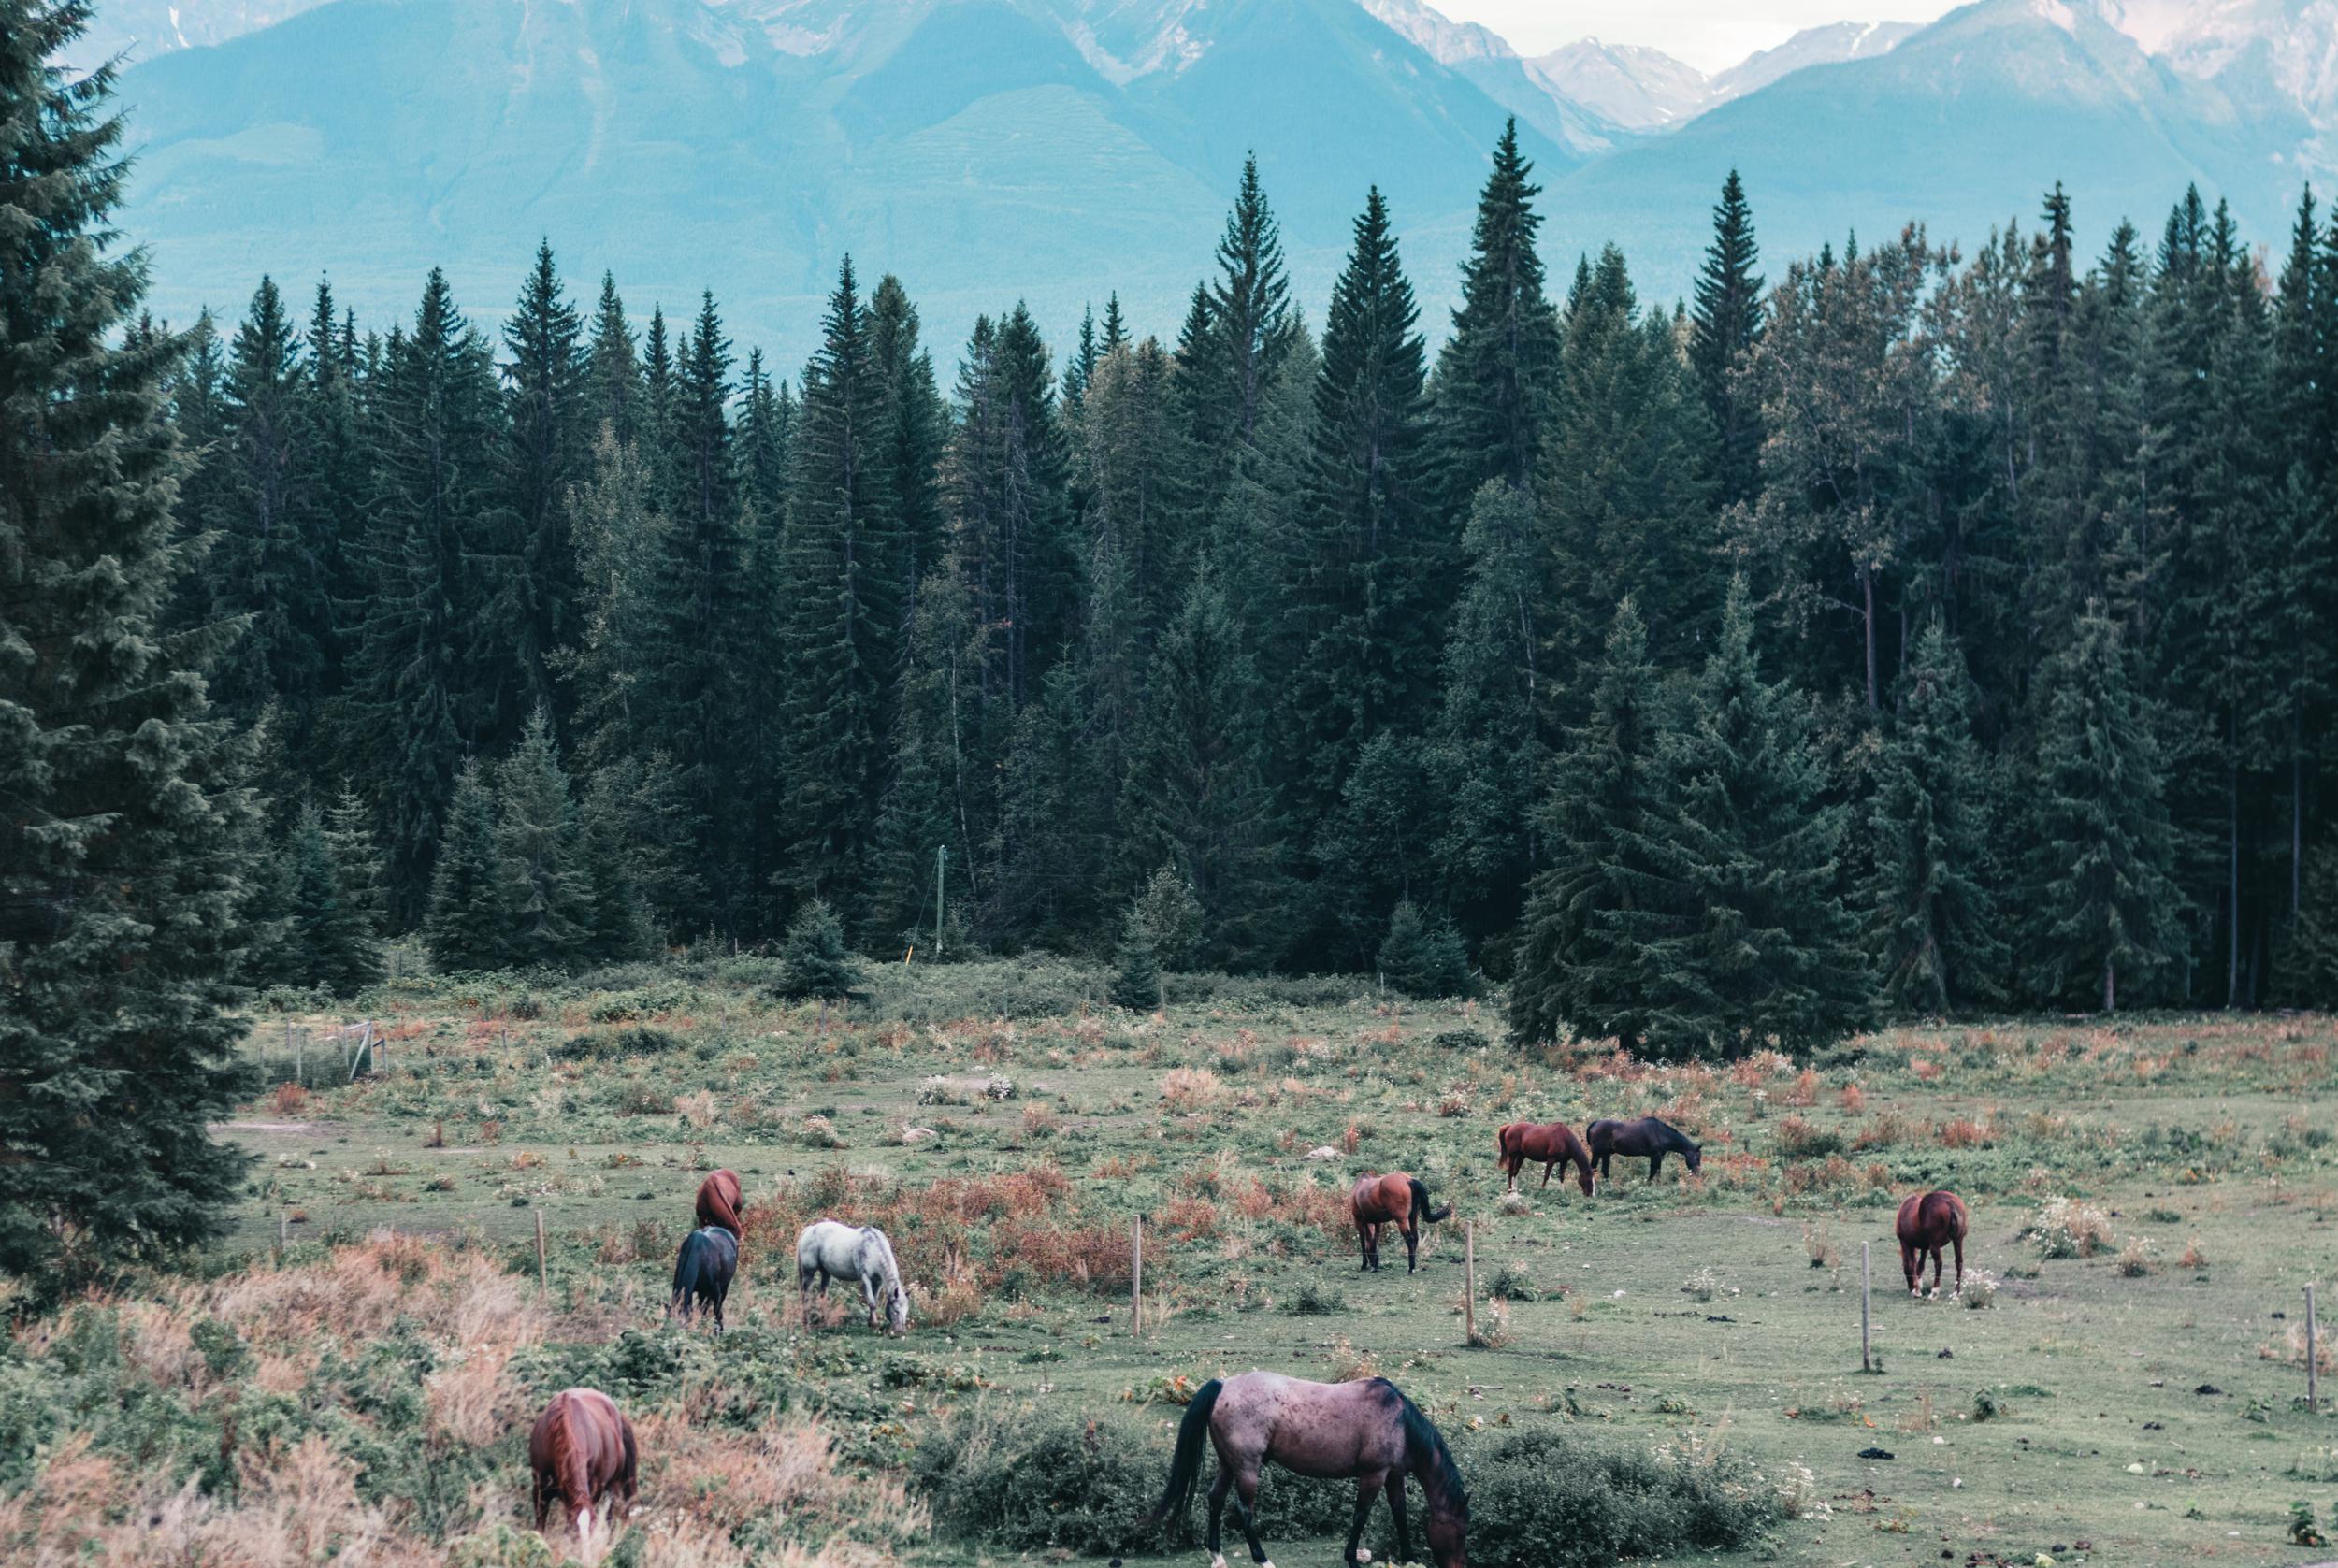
(1056, 150)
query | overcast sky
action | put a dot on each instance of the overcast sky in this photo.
(1708, 34)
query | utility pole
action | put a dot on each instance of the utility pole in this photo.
(941, 880)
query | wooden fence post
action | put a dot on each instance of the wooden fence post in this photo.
(1469, 1267)
(283, 1233)
(2312, 1358)
(1136, 1277)
(1867, 1284)
(543, 1279)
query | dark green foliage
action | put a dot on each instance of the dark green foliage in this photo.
(1135, 972)
(331, 929)
(814, 961)
(468, 926)
(1422, 957)
(1495, 371)
(1727, 324)
(544, 896)
(1938, 943)
(2314, 956)
(123, 842)
(1033, 1482)
(1552, 1499)
(1169, 917)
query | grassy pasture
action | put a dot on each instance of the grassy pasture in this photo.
(1005, 1131)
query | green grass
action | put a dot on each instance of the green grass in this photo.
(1721, 1314)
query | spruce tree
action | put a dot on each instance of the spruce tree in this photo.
(1493, 374)
(1170, 916)
(356, 848)
(330, 929)
(1579, 967)
(550, 430)
(1422, 958)
(121, 844)
(612, 379)
(1938, 943)
(1727, 328)
(2105, 909)
(467, 922)
(1250, 315)
(1744, 935)
(546, 895)
(1135, 972)
(614, 920)
(843, 628)
(814, 961)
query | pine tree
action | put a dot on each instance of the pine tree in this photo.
(1578, 966)
(548, 416)
(1422, 958)
(467, 922)
(814, 961)
(612, 378)
(330, 933)
(613, 919)
(1170, 918)
(842, 629)
(1136, 982)
(1251, 312)
(119, 848)
(1373, 577)
(1727, 329)
(356, 848)
(2101, 885)
(544, 894)
(1939, 945)
(1493, 374)
(1745, 934)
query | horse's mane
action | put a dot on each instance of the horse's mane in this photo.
(877, 1241)
(1425, 1446)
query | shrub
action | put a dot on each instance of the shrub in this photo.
(1191, 1088)
(814, 961)
(1030, 1483)
(1135, 975)
(1512, 1283)
(1980, 1289)
(2135, 1258)
(1168, 917)
(2066, 1227)
(615, 1044)
(1552, 1499)
(1800, 1139)
(1314, 1299)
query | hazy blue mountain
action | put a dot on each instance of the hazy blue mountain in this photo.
(1636, 87)
(1055, 150)
(1964, 124)
(985, 150)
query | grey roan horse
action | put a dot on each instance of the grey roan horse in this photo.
(1367, 1431)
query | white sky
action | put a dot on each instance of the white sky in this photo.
(1708, 34)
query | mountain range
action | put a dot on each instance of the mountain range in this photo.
(1056, 150)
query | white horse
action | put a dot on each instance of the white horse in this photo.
(827, 1250)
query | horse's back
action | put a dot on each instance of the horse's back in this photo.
(1381, 1197)
(586, 1422)
(1929, 1219)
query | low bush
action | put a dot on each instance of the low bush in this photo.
(2066, 1227)
(1033, 1482)
(1552, 1499)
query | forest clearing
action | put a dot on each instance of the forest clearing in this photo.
(2130, 1390)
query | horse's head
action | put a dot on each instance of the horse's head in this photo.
(1449, 1534)
(897, 1309)
(1696, 1156)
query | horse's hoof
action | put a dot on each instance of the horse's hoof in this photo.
(1362, 1555)
(1216, 1561)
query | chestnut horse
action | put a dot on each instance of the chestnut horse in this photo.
(1397, 1199)
(720, 1203)
(1927, 1222)
(1553, 1144)
(1641, 1136)
(581, 1450)
(1366, 1429)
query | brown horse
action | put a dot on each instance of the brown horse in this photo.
(1396, 1200)
(1366, 1430)
(1927, 1222)
(581, 1450)
(1552, 1144)
(720, 1203)
(1641, 1136)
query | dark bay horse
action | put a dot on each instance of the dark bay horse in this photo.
(720, 1203)
(581, 1451)
(1641, 1136)
(702, 1273)
(1367, 1431)
(1551, 1145)
(1396, 1200)
(1927, 1222)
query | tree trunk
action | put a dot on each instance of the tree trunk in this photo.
(824, 1017)
(1867, 584)
(2109, 985)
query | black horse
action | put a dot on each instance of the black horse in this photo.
(702, 1276)
(1642, 1135)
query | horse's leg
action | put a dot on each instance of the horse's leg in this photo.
(1217, 1490)
(1546, 1167)
(1958, 1243)
(1246, 1510)
(1396, 1506)
(1412, 1243)
(1656, 1164)
(1367, 1489)
(543, 1500)
(1937, 1262)
(1363, 1244)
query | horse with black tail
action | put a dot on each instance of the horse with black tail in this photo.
(1366, 1430)
(1641, 1136)
(1396, 1198)
(704, 1272)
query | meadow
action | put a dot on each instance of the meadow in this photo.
(1675, 1364)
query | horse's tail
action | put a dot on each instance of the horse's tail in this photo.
(1420, 1203)
(572, 1461)
(1502, 1142)
(1184, 1470)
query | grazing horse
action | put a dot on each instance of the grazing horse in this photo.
(1393, 1199)
(827, 1250)
(1927, 1222)
(702, 1273)
(1642, 1135)
(1366, 1430)
(581, 1450)
(720, 1203)
(1553, 1144)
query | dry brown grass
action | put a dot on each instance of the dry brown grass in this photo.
(1191, 1088)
